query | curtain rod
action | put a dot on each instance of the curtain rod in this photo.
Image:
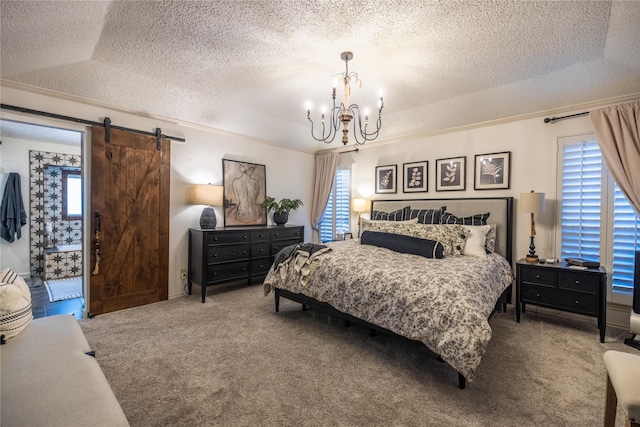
(349, 151)
(83, 121)
(553, 119)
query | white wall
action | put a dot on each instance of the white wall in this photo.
(199, 160)
(15, 158)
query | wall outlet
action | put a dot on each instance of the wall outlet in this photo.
(183, 274)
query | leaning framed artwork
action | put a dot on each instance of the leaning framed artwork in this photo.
(245, 189)
(451, 174)
(415, 177)
(492, 171)
(386, 179)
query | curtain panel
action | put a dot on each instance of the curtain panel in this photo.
(618, 132)
(326, 165)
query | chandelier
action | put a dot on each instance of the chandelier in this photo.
(346, 112)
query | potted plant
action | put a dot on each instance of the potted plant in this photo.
(281, 209)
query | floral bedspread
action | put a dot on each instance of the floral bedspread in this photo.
(444, 303)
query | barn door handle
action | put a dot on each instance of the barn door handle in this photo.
(98, 218)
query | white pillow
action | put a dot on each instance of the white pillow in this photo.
(476, 241)
(15, 304)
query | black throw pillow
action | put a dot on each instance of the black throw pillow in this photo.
(404, 244)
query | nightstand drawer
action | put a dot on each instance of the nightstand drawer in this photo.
(539, 276)
(260, 250)
(579, 282)
(287, 233)
(232, 270)
(227, 237)
(562, 300)
(227, 253)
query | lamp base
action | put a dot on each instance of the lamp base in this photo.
(531, 258)
(208, 219)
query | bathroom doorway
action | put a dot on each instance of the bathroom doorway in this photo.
(49, 254)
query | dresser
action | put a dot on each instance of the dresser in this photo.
(561, 287)
(225, 255)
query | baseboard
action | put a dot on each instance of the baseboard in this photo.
(617, 315)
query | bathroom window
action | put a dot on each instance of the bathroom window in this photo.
(71, 195)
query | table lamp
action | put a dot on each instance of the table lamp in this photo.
(532, 203)
(209, 195)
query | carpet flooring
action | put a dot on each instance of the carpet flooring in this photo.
(233, 361)
(63, 289)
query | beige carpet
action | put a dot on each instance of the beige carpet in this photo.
(233, 361)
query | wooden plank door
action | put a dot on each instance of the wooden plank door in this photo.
(130, 207)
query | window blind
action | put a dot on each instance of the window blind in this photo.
(581, 200)
(336, 214)
(625, 242)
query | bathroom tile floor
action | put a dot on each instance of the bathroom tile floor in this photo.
(42, 307)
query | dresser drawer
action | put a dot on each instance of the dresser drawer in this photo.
(286, 233)
(277, 246)
(579, 281)
(227, 237)
(539, 276)
(260, 250)
(562, 300)
(228, 271)
(224, 253)
(261, 265)
(260, 236)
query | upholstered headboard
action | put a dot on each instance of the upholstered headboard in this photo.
(501, 209)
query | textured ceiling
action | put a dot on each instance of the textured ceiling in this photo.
(250, 67)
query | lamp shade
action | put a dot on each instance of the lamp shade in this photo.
(207, 194)
(532, 202)
(359, 205)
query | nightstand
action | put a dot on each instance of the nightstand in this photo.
(561, 287)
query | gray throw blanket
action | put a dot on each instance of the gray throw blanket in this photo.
(12, 214)
(303, 258)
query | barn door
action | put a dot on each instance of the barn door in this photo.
(130, 220)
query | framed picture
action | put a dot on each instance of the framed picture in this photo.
(451, 174)
(416, 177)
(245, 188)
(492, 171)
(386, 179)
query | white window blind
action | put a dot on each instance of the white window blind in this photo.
(74, 195)
(336, 214)
(586, 205)
(581, 200)
(625, 242)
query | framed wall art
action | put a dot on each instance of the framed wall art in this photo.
(492, 171)
(386, 179)
(245, 189)
(451, 174)
(415, 177)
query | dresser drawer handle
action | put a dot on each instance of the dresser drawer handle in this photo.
(244, 252)
(537, 295)
(244, 237)
(215, 255)
(538, 276)
(576, 302)
(244, 268)
(215, 239)
(261, 250)
(262, 235)
(276, 234)
(578, 282)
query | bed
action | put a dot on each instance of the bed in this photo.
(443, 299)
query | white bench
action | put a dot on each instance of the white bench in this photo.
(47, 379)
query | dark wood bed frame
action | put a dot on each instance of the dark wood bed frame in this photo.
(461, 207)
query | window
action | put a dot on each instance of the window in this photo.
(596, 220)
(336, 214)
(71, 195)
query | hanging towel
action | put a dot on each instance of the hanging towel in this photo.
(12, 214)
